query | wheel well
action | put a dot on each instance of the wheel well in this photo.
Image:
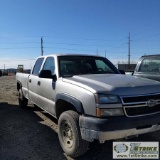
(62, 106)
(18, 85)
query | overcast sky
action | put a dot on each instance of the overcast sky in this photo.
(77, 26)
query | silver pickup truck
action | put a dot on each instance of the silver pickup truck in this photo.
(90, 99)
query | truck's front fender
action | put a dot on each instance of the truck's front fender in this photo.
(72, 100)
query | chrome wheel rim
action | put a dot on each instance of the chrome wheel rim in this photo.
(67, 134)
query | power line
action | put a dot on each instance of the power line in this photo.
(82, 38)
(70, 49)
(18, 48)
(20, 42)
(76, 44)
(18, 60)
(146, 37)
(70, 44)
(21, 37)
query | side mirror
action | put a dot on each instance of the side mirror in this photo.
(47, 74)
(122, 71)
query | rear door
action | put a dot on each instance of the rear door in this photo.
(33, 80)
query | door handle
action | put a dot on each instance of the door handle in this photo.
(30, 80)
(39, 83)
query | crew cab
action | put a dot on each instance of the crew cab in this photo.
(90, 99)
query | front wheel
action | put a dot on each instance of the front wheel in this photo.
(69, 134)
(23, 102)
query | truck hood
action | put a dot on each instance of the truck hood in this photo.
(115, 84)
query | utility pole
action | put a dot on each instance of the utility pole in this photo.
(129, 54)
(42, 46)
(97, 52)
(105, 53)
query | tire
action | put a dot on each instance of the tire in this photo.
(69, 134)
(23, 102)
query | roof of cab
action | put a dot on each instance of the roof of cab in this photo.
(152, 55)
(58, 55)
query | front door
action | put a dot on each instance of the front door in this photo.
(46, 88)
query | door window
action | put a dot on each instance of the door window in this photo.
(37, 66)
(49, 65)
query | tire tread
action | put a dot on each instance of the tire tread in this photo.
(24, 101)
(82, 145)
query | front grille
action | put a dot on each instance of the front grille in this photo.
(139, 105)
(140, 98)
(134, 111)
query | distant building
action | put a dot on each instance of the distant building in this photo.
(11, 71)
(127, 67)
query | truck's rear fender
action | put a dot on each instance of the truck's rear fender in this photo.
(66, 102)
(24, 90)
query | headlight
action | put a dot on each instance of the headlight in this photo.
(104, 99)
(109, 112)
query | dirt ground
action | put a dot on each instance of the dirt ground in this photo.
(31, 134)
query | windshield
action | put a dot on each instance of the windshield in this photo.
(77, 65)
(151, 64)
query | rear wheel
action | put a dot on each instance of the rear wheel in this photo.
(69, 134)
(23, 102)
